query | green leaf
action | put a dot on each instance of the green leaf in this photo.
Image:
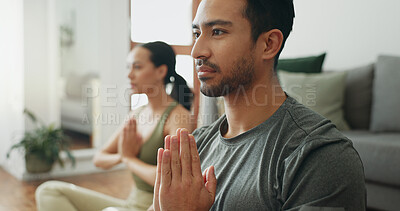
(71, 157)
(30, 115)
(45, 141)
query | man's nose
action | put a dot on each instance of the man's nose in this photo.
(201, 48)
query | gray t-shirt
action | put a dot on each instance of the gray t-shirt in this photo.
(295, 160)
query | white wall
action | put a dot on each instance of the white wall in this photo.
(353, 33)
(11, 80)
(40, 58)
(83, 16)
(30, 66)
(28, 72)
(114, 33)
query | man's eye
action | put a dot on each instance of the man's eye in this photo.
(196, 35)
(217, 32)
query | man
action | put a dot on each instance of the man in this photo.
(268, 152)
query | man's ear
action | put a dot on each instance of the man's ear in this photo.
(272, 42)
(162, 72)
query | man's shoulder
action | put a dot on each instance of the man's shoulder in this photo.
(298, 130)
(303, 117)
(309, 125)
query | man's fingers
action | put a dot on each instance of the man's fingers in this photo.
(167, 142)
(158, 172)
(185, 155)
(166, 169)
(195, 159)
(178, 134)
(176, 163)
(158, 177)
(211, 184)
(205, 175)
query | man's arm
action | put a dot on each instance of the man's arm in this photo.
(180, 184)
(326, 175)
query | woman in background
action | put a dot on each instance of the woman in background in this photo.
(136, 143)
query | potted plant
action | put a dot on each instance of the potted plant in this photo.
(42, 146)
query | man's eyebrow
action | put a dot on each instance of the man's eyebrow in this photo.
(213, 23)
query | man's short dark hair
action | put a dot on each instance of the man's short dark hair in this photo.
(265, 15)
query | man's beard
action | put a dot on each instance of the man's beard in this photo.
(241, 75)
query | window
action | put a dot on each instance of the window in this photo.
(185, 68)
(169, 21)
(161, 20)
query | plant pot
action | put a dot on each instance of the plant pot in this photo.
(36, 164)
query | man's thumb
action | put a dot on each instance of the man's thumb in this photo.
(211, 184)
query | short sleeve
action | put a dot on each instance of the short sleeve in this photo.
(324, 174)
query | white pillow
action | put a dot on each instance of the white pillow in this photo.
(321, 92)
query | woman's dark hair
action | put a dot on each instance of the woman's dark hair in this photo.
(162, 53)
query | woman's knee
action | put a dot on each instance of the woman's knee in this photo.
(51, 187)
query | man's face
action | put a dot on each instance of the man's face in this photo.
(223, 48)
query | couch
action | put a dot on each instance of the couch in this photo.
(379, 149)
(77, 104)
(364, 103)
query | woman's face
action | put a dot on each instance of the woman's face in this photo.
(144, 76)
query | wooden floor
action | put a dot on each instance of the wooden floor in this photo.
(78, 140)
(17, 195)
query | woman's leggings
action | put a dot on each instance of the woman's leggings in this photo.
(62, 196)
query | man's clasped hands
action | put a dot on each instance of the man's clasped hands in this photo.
(180, 185)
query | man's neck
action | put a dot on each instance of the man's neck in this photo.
(248, 108)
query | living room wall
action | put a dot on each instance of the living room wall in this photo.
(81, 55)
(352, 33)
(30, 67)
(41, 68)
(11, 78)
(29, 72)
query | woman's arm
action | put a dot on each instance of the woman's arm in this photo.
(179, 118)
(143, 170)
(108, 156)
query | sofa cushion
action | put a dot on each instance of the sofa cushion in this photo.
(321, 92)
(380, 154)
(312, 64)
(386, 98)
(382, 197)
(358, 97)
(76, 85)
(75, 110)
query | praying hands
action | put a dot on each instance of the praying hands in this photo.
(180, 185)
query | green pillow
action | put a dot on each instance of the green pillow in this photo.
(312, 64)
(322, 92)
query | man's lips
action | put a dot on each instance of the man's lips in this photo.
(204, 71)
